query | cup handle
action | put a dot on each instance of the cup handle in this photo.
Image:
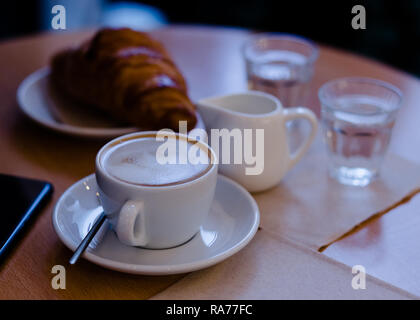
(131, 229)
(304, 113)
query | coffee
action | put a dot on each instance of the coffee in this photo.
(135, 161)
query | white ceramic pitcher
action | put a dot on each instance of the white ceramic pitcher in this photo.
(256, 110)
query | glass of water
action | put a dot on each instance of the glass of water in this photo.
(358, 115)
(281, 65)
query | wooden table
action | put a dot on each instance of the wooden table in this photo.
(211, 61)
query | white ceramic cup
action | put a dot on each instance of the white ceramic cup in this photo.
(156, 217)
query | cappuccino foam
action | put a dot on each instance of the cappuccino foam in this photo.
(135, 161)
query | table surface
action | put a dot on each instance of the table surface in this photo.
(211, 62)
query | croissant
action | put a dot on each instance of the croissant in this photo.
(128, 75)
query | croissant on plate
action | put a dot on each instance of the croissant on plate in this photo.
(128, 75)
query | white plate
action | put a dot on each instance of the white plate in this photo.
(46, 107)
(232, 222)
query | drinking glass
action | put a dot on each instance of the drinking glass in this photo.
(358, 115)
(281, 65)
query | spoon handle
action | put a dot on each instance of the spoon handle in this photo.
(88, 238)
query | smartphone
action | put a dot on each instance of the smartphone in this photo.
(21, 199)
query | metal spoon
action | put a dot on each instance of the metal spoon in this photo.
(88, 238)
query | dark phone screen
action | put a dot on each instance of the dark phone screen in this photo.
(20, 198)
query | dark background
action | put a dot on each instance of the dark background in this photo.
(392, 32)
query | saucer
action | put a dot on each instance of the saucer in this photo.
(48, 108)
(232, 222)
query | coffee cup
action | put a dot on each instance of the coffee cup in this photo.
(149, 203)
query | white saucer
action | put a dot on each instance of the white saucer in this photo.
(41, 104)
(232, 222)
